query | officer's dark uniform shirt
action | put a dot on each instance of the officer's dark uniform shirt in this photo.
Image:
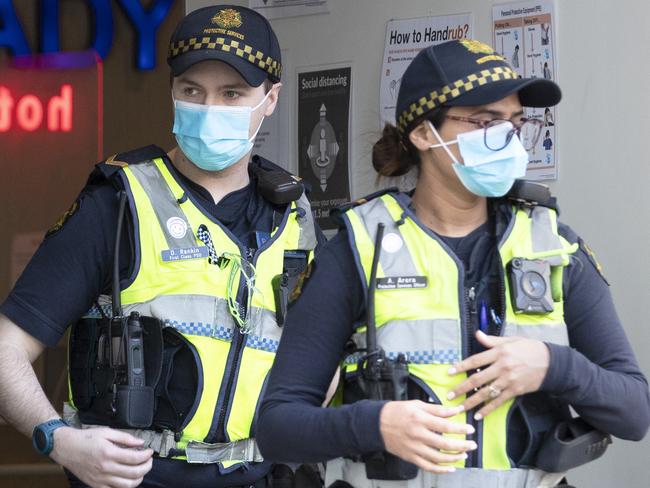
(73, 266)
(598, 374)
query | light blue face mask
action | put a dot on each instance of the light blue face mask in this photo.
(484, 172)
(213, 137)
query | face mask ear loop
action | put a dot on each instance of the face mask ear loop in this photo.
(252, 138)
(442, 144)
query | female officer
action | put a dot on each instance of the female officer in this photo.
(490, 317)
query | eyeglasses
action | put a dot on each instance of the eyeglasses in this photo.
(246, 316)
(528, 131)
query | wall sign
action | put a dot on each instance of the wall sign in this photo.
(145, 23)
(46, 110)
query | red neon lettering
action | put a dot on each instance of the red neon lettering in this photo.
(59, 109)
(29, 111)
(6, 105)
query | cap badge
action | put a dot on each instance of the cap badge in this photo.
(476, 46)
(228, 18)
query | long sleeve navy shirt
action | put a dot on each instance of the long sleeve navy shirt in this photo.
(597, 374)
(73, 266)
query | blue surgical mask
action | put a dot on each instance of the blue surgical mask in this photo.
(213, 137)
(484, 172)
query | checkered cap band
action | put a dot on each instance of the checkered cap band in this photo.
(437, 98)
(244, 51)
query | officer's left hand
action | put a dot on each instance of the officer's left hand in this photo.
(511, 366)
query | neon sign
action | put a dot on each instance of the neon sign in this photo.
(30, 113)
(146, 24)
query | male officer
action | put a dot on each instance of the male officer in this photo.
(206, 233)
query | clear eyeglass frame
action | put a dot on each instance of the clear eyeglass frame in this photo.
(245, 315)
(528, 130)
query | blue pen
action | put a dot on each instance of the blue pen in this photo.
(483, 318)
(495, 317)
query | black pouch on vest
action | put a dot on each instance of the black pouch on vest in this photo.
(381, 379)
(99, 379)
(570, 444)
(82, 359)
(531, 418)
(178, 391)
(135, 400)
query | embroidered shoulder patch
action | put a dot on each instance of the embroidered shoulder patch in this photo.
(592, 258)
(297, 290)
(58, 225)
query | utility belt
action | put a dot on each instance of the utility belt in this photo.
(164, 444)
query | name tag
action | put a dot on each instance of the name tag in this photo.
(181, 254)
(398, 282)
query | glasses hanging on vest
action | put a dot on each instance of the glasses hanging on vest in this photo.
(247, 317)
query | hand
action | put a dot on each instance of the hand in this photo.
(413, 431)
(102, 457)
(510, 367)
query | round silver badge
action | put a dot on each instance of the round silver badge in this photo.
(392, 242)
(177, 227)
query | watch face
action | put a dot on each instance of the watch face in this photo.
(40, 439)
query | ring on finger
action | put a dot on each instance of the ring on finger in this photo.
(493, 392)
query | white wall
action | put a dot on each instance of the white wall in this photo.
(604, 120)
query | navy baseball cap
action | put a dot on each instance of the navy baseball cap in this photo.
(235, 35)
(464, 73)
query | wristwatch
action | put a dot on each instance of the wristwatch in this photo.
(43, 435)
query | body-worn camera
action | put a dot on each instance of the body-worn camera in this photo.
(530, 285)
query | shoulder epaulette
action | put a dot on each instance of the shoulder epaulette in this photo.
(531, 194)
(338, 211)
(107, 168)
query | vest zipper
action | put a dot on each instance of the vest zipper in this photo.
(499, 328)
(240, 340)
(221, 432)
(470, 298)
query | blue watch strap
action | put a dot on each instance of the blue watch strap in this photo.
(43, 435)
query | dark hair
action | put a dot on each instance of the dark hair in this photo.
(394, 154)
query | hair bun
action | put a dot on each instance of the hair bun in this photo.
(389, 155)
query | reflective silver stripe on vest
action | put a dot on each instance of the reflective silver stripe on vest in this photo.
(542, 235)
(266, 335)
(307, 239)
(200, 315)
(399, 263)
(163, 201)
(555, 333)
(244, 450)
(355, 474)
(423, 341)
(203, 315)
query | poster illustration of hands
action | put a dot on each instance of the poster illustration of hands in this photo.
(404, 39)
(524, 34)
(323, 138)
